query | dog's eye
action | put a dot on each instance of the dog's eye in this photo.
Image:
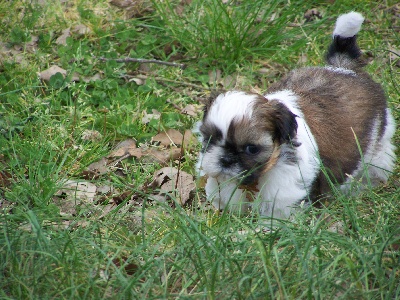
(251, 149)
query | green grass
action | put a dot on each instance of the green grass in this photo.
(141, 249)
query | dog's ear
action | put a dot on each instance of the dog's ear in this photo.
(285, 123)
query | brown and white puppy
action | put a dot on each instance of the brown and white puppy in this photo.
(317, 126)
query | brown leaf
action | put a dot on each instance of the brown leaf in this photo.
(214, 77)
(91, 135)
(81, 29)
(155, 115)
(191, 110)
(95, 77)
(98, 168)
(46, 74)
(123, 148)
(62, 39)
(123, 3)
(174, 183)
(162, 157)
(312, 14)
(5, 179)
(74, 193)
(130, 268)
(166, 138)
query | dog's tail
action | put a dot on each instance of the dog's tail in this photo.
(344, 51)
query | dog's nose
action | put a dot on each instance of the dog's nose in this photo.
(226, 161)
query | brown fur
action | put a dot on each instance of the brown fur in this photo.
(334, 115)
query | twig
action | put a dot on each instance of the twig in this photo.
(144, 61)
(196, 86)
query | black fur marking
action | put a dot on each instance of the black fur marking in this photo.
(286, 124)
(211, 135)
(343, 45)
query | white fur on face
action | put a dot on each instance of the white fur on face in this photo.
(211, 165)
(229, 106)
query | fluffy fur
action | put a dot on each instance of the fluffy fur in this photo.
(276, 150)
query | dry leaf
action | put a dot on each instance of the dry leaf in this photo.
(74, 193)
(32, 45)
(171, 136)
(91, 135)
(155, 115)
(46, 74)
(312, 14)
(191, 110)
(214, 77)
(174, 183)
(162, 157)
(62, 39)
(81, 29)
(138, 81)
(99, 167)
(123, 3)
(130, 268)
(95, 77)
(123, 148)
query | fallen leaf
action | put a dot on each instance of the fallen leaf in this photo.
(81, 29)
(95, 77)
(104, 189)
(96, 169)
(32, 45)
(162, 157)
(174, 183)
(214, 77)
(129, 267)
(5, 179)
(91, 135)
(191, 110)
(166, 138)
(123, 3)
(123, 148)
(62, 39)
(312, 14)
(46, 74)
(138, 81)
(74, 193)
(155, 115)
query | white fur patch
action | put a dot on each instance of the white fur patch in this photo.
(277, 199)
(229, 106)
(340, 70)
(379, 158)
(348, 25)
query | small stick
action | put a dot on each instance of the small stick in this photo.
(144, 61)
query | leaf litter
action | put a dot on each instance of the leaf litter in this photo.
(168, 185)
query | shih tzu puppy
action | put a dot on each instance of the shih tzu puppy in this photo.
(318, 126)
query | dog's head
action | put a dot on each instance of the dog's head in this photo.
(242, 134)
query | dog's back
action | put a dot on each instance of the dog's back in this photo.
(345, 109)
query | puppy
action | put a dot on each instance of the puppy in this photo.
(318, 126)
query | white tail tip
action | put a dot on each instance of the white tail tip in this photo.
(348, 25)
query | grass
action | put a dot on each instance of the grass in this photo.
(122, 244)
